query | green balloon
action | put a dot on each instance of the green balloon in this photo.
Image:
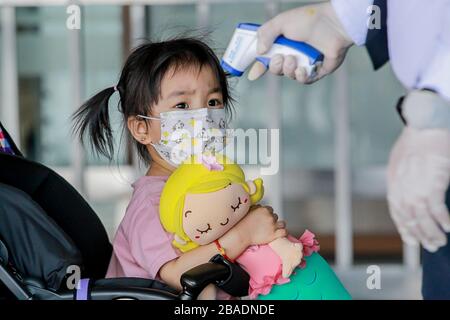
(315, 282)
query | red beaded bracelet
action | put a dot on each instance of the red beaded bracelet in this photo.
(222, 251)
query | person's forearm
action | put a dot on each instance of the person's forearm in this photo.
(436, 73)
(171, 272)
(353, 16)
(233, 242)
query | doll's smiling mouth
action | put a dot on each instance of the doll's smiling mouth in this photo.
(224, 224)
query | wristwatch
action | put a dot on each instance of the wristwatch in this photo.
(424, 109)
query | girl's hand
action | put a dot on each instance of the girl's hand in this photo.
(209, 293)
(261, 226)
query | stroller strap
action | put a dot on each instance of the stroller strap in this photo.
(82, 291)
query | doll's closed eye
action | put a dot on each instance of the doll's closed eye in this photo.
(206, 230)
(186, 213)
(237, 206)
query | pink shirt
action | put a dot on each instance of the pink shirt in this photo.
(141, 246)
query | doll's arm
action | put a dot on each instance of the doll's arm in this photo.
(290, 253)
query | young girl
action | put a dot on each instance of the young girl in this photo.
(159, 82)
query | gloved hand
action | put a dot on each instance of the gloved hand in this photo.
(317, 25)
(417, 180)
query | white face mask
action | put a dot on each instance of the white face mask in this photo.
(190, 132)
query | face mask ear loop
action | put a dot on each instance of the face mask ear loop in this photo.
(147, 117)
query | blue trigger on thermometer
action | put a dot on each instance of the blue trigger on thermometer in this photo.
(241, 51)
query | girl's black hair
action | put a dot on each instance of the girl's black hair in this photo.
(140, 86)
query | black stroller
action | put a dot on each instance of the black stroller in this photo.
(48, 231)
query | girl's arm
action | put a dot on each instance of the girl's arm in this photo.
(259, 226)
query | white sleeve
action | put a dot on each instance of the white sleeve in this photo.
(353, 16)
(436, 75)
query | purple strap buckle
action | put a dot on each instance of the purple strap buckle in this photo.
(82, 290)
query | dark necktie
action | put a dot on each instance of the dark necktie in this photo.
(377, 41)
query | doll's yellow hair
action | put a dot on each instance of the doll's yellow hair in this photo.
(193, 177)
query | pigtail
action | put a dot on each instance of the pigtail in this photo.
(259, 193)
(92, 118)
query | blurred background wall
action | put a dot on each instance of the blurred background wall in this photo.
(335, 134)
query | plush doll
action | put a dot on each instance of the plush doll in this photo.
(206, 197)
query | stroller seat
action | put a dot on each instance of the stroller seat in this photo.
(46, 226)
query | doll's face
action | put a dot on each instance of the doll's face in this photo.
(207, 216)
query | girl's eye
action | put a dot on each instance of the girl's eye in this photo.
(214, 103)
(205, 230)
(237, 206)
(182, 105)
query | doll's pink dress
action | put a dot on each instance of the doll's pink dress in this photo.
(264, 265)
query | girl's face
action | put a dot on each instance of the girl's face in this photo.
(183, 89)
(208, 216)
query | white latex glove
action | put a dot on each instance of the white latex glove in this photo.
(418, 177)
(317, 25)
